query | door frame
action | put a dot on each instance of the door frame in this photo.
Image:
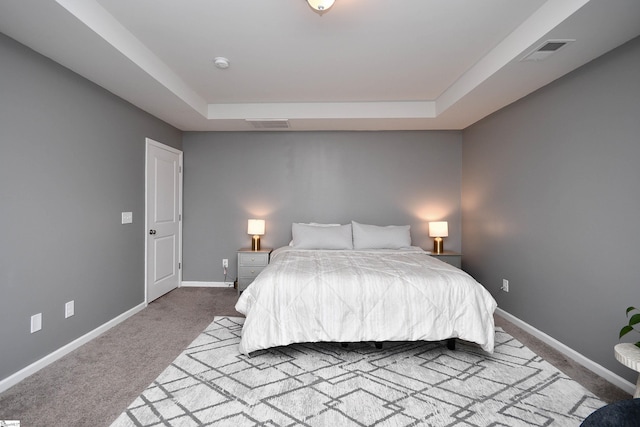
(151, 142)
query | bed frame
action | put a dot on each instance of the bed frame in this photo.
(451, 344)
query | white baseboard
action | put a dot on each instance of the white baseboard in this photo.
(207, 284)
(594, 367)
(14, 379)
(598, 369)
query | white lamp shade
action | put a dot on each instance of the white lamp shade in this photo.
(439, 229)
(256, 227)
(321, 5)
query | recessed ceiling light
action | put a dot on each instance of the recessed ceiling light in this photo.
(221, 62)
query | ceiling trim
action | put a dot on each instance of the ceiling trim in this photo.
(549, 16)
(98, 44)
(95, 17)
(324, 110)
(99, 20)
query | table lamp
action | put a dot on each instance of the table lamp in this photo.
(438, 230)
(256, 228)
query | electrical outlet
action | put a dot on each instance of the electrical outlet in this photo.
(36, 322)
(69, 309)
(505, 285)
(127, 217)
(225, 263)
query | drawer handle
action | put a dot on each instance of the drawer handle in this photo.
(253, 271)
(253, 259)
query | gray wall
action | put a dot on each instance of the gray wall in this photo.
(72, 160)
(371, 177)
(551, 195)
(540, 177)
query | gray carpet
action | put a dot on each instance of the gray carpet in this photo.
(94, 384)
(403, 384)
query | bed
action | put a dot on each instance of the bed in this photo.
(380, 289)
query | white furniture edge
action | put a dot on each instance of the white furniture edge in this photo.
(594, 367)
(27, 371)
(629, 355)
(193, 284)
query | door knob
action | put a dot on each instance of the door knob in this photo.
(152, 231)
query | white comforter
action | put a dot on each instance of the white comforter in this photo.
(351, 296)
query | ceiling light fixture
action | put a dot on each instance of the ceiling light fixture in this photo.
(320, 6)
(220, 62)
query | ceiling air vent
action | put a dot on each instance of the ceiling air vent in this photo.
(269, 123)
(546, 49)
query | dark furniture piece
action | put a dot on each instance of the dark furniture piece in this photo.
(624, 413)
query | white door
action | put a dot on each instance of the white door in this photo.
(163, 210)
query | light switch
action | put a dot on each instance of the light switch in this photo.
(127, 217)
(36, 322)
(69, 309)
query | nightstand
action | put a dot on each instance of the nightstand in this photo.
(450, 257)
(250, 264)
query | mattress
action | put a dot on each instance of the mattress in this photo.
(363, 295)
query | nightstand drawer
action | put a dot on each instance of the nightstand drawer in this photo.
(250, 264)
(243, 283)
(253, 259)
(451, 260)
(450, 257)
(249, 272)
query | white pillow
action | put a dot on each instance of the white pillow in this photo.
(375, 237)
(315, 224)
(307, 236)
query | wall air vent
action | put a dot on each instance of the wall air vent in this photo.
(269, 123)
(546, 49)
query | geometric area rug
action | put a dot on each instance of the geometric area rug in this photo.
(324, 384)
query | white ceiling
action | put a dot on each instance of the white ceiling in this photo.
(363, 65)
